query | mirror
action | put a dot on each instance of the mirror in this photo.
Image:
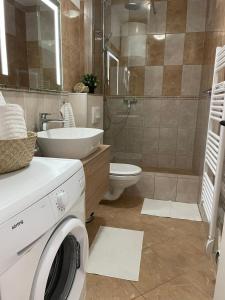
(30, 47)
(113, 68)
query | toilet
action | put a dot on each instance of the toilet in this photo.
(121, 176)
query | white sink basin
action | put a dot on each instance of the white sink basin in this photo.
(69, 142)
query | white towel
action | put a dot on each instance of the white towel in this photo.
(67, 113)
(2, 99)
(12, 122)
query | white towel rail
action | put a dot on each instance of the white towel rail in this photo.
(215, 150)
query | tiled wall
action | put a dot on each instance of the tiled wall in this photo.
(97, 60)
(31, 60)
(158, 132)
(40, 49)
(215, 36)
(30, 46)
(16, 44)
(201, 133)
(174, 47)
(35, 103)
(162, 186)
(72, 43)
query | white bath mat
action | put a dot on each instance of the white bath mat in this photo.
(116, 253)
(171, 209)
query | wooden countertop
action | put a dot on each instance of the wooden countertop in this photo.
(101, 149)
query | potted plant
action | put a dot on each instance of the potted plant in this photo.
(91, 81)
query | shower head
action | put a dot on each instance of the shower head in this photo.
(132, 5)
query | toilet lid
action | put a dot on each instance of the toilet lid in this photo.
(124, 169)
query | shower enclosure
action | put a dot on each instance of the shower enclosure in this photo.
(151, 66)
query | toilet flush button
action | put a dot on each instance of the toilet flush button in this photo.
(62, 200)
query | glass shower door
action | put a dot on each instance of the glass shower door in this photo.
(125, 43)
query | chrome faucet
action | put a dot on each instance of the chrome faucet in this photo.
(44, 120)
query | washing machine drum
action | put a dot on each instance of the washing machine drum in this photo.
(61, 271)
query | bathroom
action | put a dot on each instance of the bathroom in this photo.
(140, 127)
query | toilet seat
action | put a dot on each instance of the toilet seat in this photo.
(124, 169)
(121, 177)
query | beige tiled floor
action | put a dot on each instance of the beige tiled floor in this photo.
(174, 265)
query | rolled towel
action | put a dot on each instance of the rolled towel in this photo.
(2, 99)
(67, 113)
(12, 122)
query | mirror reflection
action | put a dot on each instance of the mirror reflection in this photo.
(30, 44)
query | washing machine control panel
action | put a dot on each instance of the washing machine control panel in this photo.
(62, 200)
(66, 195)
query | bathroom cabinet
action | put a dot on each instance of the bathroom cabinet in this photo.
(96, 169)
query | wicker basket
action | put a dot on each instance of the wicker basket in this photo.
(16, 154)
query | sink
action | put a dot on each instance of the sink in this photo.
(69, 142)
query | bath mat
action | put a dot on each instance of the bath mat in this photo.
(171, 209)
(116, 253)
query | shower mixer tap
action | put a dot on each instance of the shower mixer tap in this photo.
(130, 101)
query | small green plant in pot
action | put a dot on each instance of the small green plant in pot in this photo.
(91, 81)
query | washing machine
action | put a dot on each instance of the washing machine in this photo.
(43, 240)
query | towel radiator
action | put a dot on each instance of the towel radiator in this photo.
(215, 149)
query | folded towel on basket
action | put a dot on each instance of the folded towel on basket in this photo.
(12, 122)
(67, 113)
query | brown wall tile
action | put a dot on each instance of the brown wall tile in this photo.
(155, 50)
(194, 48)
(49, 77)
(16, 46)
(166, 45)
(139, 15)
(72, 45)
(33, 54)
(212, 40)
(176, 16)
(174, 49)
(137, 75)
(215, 16)
(172, 80)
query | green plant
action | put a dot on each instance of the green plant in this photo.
(90, 80)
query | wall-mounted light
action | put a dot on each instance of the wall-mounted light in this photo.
(4, 58)
(75, 11)
(57, 42)
(159, 37)
(110, 55)
(72, 13)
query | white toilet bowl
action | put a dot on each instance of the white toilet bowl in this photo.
(121, 177)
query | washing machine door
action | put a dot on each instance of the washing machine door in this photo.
(61, 271)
